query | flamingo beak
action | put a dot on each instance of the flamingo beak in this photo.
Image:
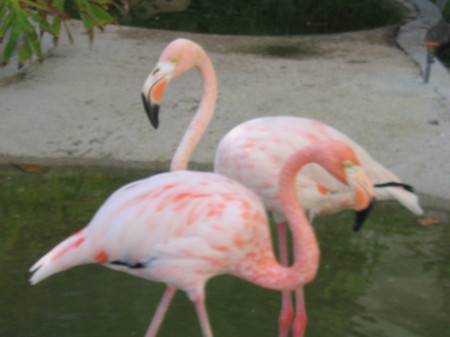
(361, 216)
(364, 202)
(154, 88)
(152, 99)
(152, 111)
(363, 191)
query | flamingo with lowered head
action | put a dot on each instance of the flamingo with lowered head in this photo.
(253, 153)
(184, 227)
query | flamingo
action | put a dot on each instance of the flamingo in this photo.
(178, 57)
(253, 153)
(185, 227)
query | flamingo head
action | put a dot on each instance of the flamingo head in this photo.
(177, 58)
(342, 161)
(363, 190)
(359, 182)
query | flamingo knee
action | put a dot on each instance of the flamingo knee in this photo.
(285, 321)
(299, 325)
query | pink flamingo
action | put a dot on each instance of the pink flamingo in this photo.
(177, 58)
(253, 153)
(184, 227)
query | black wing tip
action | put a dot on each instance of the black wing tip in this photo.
(138, 265)
(406, 187)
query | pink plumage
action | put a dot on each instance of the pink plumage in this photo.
(184, 227)
(254, 152)
(180, 228)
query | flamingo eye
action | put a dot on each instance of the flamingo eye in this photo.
(155, 71)
(347, 164)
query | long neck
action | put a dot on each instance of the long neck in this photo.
(306, 248)
(267, 272)
(201, 118)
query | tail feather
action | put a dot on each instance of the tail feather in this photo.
(404, 197)
(69, 253)
(393, 187)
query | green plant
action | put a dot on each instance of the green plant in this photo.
(23, 23)
(444, 5)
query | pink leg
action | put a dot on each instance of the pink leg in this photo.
(203, 317)
(301, 318)
(287, 311)
(161, 311)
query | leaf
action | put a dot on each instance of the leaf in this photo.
(2, 9)
(11, 45)
(44, 26)
(25, 52)
(18, 18)
(59, 4)
(429, 221)
(56, 26)
(93, 15)
(35, 45)
(34, 4)
(99, 15)
(31, 168)
(6, 25)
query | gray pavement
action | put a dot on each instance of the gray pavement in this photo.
(82, 105)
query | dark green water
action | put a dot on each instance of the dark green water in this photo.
(269, 17)
(390, 280)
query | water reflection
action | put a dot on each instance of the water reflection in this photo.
(391, 279)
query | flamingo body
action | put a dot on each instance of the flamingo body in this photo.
(180, 228)
(254, 152)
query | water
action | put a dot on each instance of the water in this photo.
(390, 280)
(269, 17)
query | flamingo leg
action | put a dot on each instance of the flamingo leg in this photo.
(203, 317)
(301, 319)
(161, 311)
(287, 310)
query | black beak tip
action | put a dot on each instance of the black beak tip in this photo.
(361, 216)
(155, 119)
(152, 111)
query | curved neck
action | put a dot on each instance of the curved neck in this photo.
(306, 248)
(201, 118)
(268, 273)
